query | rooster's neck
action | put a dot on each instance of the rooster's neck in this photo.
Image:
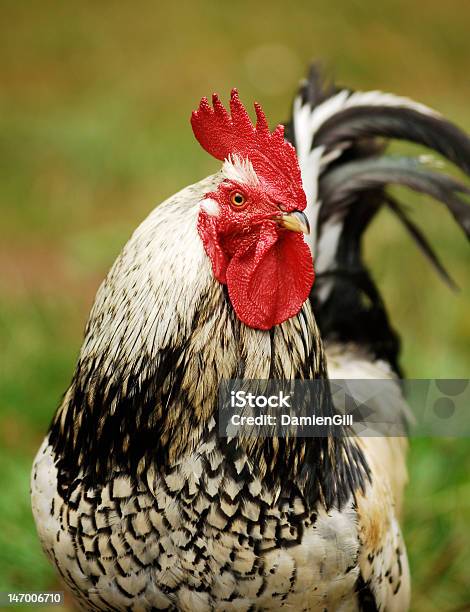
(161, 336)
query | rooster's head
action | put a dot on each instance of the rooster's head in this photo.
(252, 225)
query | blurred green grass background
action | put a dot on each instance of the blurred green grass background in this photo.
(94, 107)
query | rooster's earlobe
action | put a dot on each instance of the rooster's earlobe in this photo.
(210, 206)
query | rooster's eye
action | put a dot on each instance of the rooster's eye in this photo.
(237, 199)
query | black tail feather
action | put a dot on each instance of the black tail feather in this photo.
(421, 241)
(429, 130)
(351, 132)
(343, 185)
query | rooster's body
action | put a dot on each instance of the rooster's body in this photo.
(139, 503)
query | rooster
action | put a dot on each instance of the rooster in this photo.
(138, 502)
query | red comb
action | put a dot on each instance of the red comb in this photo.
(222, 134)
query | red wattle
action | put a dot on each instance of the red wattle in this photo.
(270, 280)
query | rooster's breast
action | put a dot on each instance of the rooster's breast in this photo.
(198, 538)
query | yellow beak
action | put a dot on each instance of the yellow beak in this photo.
(295, 222)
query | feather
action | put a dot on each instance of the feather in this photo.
(340, 137)
(330, 127)
(343, 185)
(422, 242)
(374, 114)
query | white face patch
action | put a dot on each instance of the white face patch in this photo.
(210, 206)
(240, 171)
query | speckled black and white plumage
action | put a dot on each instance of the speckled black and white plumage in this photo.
(141, 505)
(197, 538)
(138, 502)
